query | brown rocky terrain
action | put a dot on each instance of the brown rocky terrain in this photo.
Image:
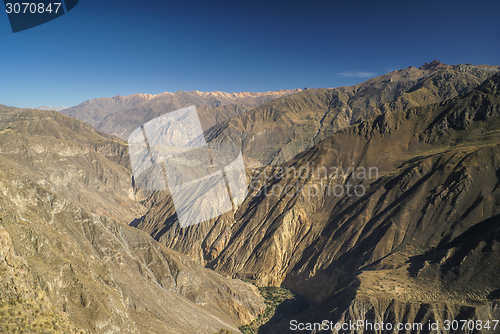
(70, 264)
(275, 132)
(120, 115)
(70, 158)
(418, 242)
(24, 306)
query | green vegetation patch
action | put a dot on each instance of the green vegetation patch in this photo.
(281, 304)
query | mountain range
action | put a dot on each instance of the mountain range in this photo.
(418, 242)
(52, 108)
(275, 132)
(120, 115)
(376, 202)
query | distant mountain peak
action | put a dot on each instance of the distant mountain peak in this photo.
(140, 95)
(247, 94)
(432, 65)
(52, 108)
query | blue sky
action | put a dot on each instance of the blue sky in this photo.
(105, 48)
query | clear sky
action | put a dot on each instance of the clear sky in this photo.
(110, 47)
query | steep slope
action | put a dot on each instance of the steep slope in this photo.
(277, 131)
(72, 159)
(120, 115)
(67, 261)
(420, 232)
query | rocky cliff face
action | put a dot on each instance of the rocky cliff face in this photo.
(68, 261)
(120, 115)
(275, 132)
(417, 241)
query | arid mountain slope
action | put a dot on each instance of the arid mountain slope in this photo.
(24, 305)
(421, 231)
(276, 131)
(68, 261)
(120, 115)
(70, 158)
